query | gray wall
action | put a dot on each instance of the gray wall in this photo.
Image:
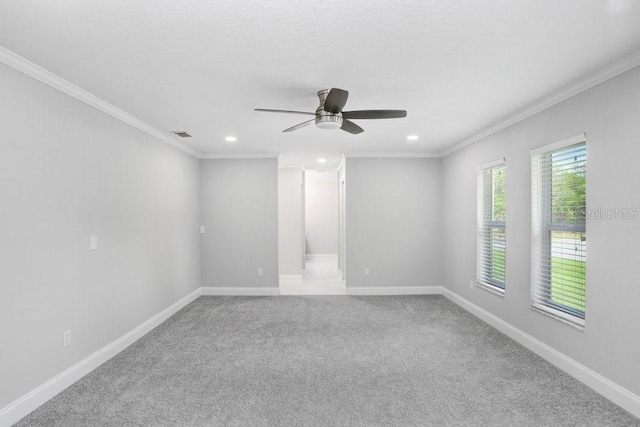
(290, 221)
(239, 208)
(68, 171)
(321, 212)
(610, 116)
(393, 222)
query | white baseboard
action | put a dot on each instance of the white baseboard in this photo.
(17, 410)
(612, 391)
(394, 290)
(240, 291)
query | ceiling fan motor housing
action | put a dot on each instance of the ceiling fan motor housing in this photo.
(326, 119)
(329, 115)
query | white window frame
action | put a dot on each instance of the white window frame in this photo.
(540, 230)
(485, 225)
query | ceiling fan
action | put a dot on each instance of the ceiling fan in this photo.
(329, 114)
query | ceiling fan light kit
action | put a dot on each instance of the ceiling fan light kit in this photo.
(327, 119)
(329, 114)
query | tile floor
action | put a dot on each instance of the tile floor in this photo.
(320, 277)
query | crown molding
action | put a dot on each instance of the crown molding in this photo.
(613, 70)
(24, 66)
(28, 68)
(402, 155)
(220, 156)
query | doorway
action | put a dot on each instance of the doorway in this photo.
(318, 221)
(322, 231)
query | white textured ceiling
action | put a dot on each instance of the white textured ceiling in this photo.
(457, 66)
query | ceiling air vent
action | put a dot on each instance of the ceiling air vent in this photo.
(181, 134)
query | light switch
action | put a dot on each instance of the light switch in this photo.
(202, 229)
(93, 243)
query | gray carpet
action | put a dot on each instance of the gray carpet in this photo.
(334, 361)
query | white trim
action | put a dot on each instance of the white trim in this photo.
(613, 70)
(500, 162)
(223, 156)
(607, 388)
(19, 63)
(24, 66)
(490, 288)
(20, 408)
(567, 142)
(394, 290)
(391, 155)
(240, 291)
(568, 319)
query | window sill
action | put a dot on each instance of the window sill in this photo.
(558, 315)
(490, 288)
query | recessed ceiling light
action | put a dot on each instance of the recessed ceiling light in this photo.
(231, 139)
(322, 160)
(412, 138)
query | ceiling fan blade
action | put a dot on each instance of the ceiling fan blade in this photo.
(374, 114)
(268, 110)
(299, 125)
(351, 127)
(335, 100)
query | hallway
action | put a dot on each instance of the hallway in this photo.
(320, 277)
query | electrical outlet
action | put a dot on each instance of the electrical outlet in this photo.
(260, 272)
(66, 338)
(366, 271)
(470, 284)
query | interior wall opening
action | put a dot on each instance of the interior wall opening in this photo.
(311, 229)
(322, 233)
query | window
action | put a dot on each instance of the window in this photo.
(492, 248)
(559, 239)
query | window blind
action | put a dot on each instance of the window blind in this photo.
(559, 244)
(491, 227)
